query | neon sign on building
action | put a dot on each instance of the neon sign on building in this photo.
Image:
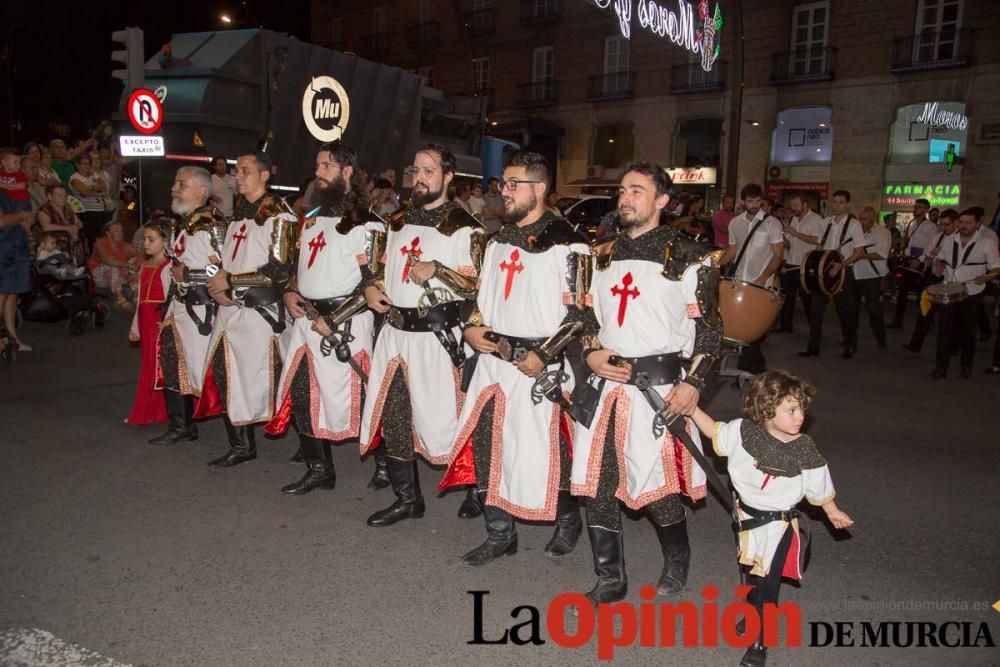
(696, 35)
(938, 194)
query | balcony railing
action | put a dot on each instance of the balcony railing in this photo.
(803, 65)
(942, 49)
(691, 78)
(482, 22)
(615, 86)
(539, 11)
(423, 35)
(482, 93)
(537, 93)
(375, 46)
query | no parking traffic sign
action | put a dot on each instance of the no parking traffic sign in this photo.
(145, 111)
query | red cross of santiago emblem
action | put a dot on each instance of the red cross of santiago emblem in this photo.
(409, 253)
(512, 267)
(179, 245)
(315, 246)
(623, 292)
(239, 237)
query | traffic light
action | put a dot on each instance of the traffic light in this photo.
(132, 57)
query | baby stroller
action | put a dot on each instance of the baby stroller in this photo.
(72, 299)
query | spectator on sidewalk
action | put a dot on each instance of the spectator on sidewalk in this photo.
(90, 188)
(223, 187)
(114, 265)
(14, 195)
(721, 220)
(57, 216)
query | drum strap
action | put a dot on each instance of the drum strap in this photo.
(843, 232)
(965, 256)
(746, 244)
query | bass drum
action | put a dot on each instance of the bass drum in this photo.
(815, 276)
(748, 310)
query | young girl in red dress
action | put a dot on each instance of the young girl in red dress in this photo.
(154, 282)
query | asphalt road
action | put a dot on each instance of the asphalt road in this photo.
(115, 552)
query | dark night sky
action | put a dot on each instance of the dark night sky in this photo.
(62, 51)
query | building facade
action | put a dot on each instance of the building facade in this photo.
(890, 99)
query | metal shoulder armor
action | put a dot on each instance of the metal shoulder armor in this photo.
(211, 221)
(602, 251)
(681, 252)
(456, 219)
(270, 206)
(579, 270)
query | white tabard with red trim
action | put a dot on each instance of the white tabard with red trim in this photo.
(433, 383)
(641, 313)
(771, 494)
(194, 251)
(328, 266)
(520, 294)
(251, 348)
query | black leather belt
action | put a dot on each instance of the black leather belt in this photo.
(257, 297)
(660, 368)
(439, 318)
(197, 295)
(327, 306)
(512, 344)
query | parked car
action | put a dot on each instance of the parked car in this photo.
(585, 214)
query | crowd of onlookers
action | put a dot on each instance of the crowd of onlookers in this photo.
(64, 207)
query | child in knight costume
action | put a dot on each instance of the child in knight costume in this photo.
(194, 245)
(514, 435)
(773, 466)
(432, 254)
(328, 347)
(655, 298)
(244, 357)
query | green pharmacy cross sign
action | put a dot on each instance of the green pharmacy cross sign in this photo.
(701, 35)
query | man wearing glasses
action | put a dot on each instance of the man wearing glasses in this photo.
(433, 250)
(530, 301)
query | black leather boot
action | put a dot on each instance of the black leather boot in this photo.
(501, 536)
(242, 447)
(409, 503)
(470, 507)
(180, 409)
(569, 525)
(299, 457)
(609, 565)
(756, 655)
(320, 473)
(380, 479)
(676, 558)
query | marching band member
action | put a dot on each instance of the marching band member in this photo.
(869, 271)
(842, 232)
(969, 259)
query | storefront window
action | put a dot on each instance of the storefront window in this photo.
(697, 143)
(803, 135)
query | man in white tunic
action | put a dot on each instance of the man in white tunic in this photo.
(514, 433)
(328, 346)
(244, 356)
(433, 251)
(194, 244)
(655, 299)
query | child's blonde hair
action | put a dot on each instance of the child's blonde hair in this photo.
(767, 390)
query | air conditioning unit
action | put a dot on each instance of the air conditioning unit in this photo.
(778, 173)
(595, 171)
